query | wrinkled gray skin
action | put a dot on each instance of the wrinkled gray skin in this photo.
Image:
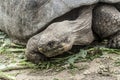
(25, 20)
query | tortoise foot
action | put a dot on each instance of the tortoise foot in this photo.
(114, 42)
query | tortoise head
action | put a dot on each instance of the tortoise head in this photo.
(52, 44)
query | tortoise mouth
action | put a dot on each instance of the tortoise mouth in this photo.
(55, 51)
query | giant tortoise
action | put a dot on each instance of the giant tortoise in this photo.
(51, 27)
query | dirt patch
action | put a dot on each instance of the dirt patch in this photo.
(103, 68)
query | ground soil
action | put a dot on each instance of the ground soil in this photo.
(103, 68)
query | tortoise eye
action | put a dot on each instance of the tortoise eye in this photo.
(51, 43)
(65, 40)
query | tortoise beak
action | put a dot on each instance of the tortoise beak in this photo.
(63, 47)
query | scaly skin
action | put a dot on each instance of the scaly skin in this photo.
(106, 23)
(114, 41)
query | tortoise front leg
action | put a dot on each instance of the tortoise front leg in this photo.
(106, 24)
(114, 41)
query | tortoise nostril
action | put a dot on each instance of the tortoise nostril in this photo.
(51, 43)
